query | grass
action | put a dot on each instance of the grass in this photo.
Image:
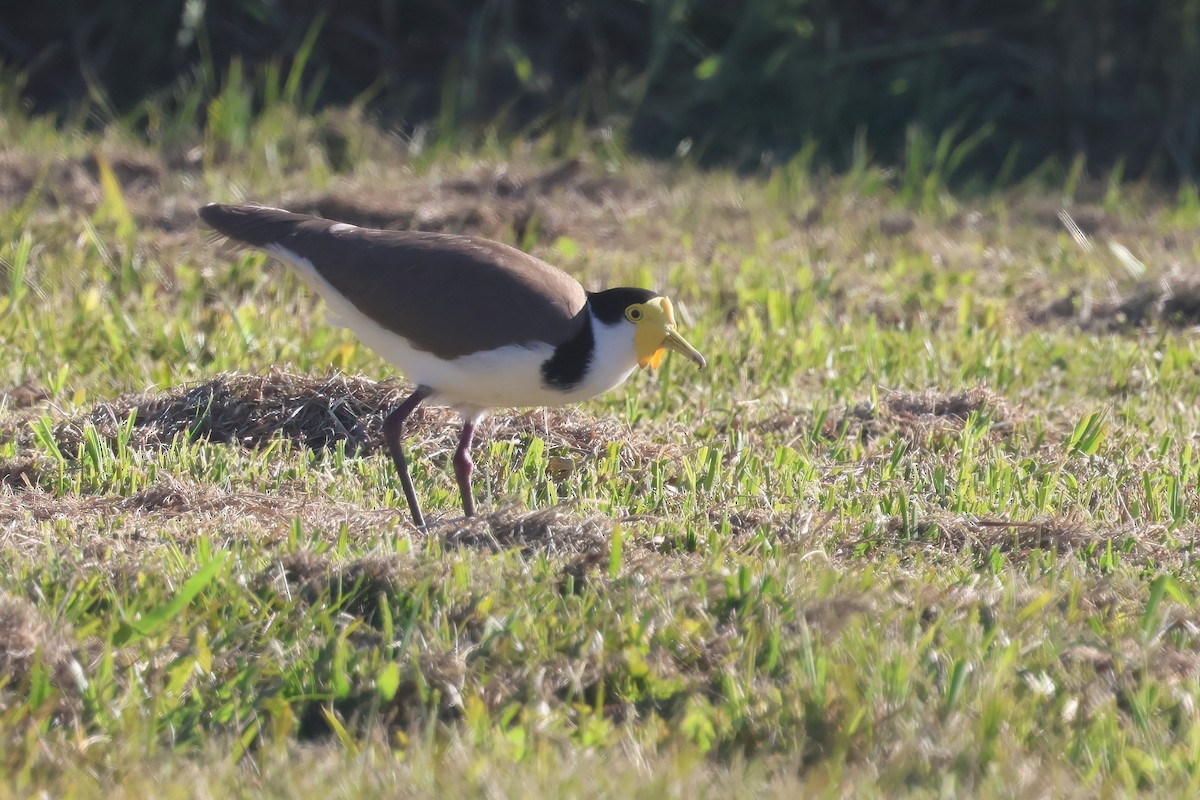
(925, 527)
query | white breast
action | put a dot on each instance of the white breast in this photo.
(505, 377)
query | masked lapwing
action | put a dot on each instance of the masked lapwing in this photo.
(474, 324)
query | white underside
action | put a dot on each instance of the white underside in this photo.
(506, 377)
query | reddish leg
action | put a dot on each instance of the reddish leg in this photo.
(463, 467)
(393, 428)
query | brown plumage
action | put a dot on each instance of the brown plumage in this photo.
(407, 280)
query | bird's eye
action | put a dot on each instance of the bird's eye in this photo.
(633, 313)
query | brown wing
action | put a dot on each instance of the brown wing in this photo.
(448, 295)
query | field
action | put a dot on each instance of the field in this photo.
(925, 526)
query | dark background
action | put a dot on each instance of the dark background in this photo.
(1026, 82)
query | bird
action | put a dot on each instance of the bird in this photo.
(473, 323)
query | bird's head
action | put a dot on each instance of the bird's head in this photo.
(653, 323)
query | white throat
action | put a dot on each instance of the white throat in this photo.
(614, 358)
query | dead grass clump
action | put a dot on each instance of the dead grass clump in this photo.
(1101, 662)
(165, 500)
(924, 417)
(574, 430)
(298, 573)
(896, 224)
(167, 497)
(1086, 220)
(551, 530)
(250, 410)
(27, 394)
(17, 175)
(1048, 534)
(947, 532)
(68, 185)
(1172, 301)
(745, 521)
(831, 615)
(360, 584)
(1175, 665)
(363, 209)
(28, 642)
(1102, 676)
(319, 412)
(172, 497)
(957, 406)
(75, 184)
(433, 674)
(19, 473)
(39, 506)
(171, 508)
(63, 183)
(373, 576)
(137, 170)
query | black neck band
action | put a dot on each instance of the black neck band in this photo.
(565, 369)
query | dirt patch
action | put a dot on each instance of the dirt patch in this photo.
(137, 171)
(27, 394)
(75, 184)
(923, 418)
(19, 473)
(1081, 220)
(524, 204)
(743, 521)
(896, 224)
(497, 202)
(18, 173)
(61, 183)
(1172, 301)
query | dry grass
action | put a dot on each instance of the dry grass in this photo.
(583, 541)
(33, 649)
(249, 410)
(320, 413)
(928, 419)
(25, 395)
(926, 416)
(502, 202)
(1170, 301)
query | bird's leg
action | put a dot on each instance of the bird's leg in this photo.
(463, 467)
(393, 428)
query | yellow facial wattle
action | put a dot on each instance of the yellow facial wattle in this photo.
(656, 333)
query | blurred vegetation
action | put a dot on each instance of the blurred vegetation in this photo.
(989, 90)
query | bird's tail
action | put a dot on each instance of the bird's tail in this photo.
(258, 226)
